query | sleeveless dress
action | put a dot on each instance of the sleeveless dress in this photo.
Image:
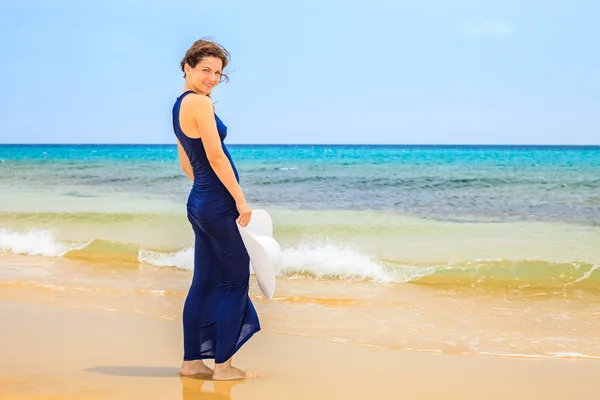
(218, 315)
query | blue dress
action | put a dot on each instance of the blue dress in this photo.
(218, 315)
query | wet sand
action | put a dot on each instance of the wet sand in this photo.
(55, 352)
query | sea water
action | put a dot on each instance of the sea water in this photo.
(395, 233)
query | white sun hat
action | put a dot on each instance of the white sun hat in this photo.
(264, 251)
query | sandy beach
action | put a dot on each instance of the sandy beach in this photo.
(50, 351)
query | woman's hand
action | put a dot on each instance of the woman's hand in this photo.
(245, 213)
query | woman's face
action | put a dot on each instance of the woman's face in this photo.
(205, 75)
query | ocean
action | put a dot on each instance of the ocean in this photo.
(488, 250)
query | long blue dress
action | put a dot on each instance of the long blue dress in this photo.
(218, 315)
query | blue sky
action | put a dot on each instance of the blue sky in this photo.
(382, 71)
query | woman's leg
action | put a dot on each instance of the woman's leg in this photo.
(198, 334)
(237, 320)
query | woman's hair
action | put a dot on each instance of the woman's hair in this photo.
(205, 48)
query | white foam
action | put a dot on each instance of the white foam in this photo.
(183, 259)
(328, 260)
(573, 354)
(325, 260)
(588, 273)
(35, 242)
(320, 260)
(562, 354)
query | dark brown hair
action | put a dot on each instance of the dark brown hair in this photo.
(205, 48)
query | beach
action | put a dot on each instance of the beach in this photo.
(52, 350)
(407, 272)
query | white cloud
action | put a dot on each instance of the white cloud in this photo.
(489, 27)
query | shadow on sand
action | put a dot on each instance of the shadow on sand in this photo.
(193, 388)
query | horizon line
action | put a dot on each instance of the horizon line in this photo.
(317, 144)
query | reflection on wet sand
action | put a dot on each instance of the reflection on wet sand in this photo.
(200, 389)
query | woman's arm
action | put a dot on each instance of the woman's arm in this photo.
(185, 162)
(207, 128)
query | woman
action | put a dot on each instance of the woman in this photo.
(218, 316)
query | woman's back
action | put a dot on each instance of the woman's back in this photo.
(208, 197)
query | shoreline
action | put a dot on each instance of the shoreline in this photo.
(56, 352)
(416, 318)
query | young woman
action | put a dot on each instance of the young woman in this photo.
(218, 315)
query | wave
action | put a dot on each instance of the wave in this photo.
(183, 259)
(311, 261)
(330, 261)
(35, 242)
(521, 275)
(40, 242)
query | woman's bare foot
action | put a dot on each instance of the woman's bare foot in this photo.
(226, 372)
(194, 367)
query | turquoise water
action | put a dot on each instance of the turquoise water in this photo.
(452, 183)
(461, 215)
